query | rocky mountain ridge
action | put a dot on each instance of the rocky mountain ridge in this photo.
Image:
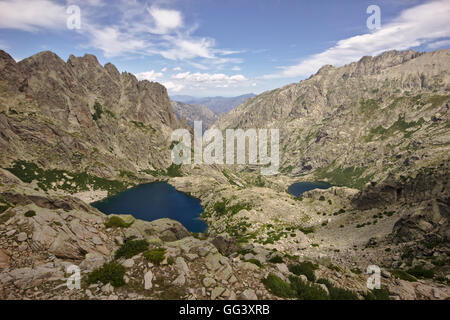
(81, 116)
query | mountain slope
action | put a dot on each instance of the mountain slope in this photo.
(361, 122)
(194, 112)
(82, 117)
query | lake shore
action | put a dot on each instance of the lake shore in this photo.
(91, 196)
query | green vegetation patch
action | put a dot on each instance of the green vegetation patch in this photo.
(278, 287)
(223, 207)
(155, 256)
(306, 268)
(352, 177)
(109, 273)
(399, 126)
(307, 291)
(55, 179)
(117, 222)
(338, 293)
(401, 274)
(421, 272)
(276, 259)
(377, 294)
(30, 213)
(131, 248)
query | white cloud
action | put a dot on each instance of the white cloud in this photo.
(236, 68)
(190, 82)
(149, 75)
(164, 69)
(33, 15)
(172, 86)
(218, 78)
(177, 69)
(165, 20)
(114, 42)
(413, 27)
(184, 48)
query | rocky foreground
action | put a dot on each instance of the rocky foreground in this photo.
(42, 237)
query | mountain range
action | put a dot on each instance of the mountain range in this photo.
(73, 132)
(218, 105)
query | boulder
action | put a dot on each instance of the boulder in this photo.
(248, 294)
(4, 259)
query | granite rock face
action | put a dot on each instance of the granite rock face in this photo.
(81, 116)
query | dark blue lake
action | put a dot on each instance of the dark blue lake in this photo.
(154, 201)
(298, 188)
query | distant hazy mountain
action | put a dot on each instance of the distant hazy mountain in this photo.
(194, 112)
(218, 105)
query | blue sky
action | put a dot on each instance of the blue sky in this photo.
(221, 47)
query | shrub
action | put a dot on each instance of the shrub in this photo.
(338, 293)
(377, 294)
(278, 287)
(306, 291)
(304, 268)
(421, 272)
(322, 198)
(30, 213)
(276, 259)
(170, 261)
(156, 256)
(307, 230)
(109, 273)
(403, 275)
(98, 111)
(131, 248)
(116, 222)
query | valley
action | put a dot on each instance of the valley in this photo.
(376, 130)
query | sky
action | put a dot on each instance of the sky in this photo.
(222, 47)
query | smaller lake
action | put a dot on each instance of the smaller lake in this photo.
(298, 188)
(154, 201)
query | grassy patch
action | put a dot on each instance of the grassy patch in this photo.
(338, 293)
(55, 179)
(403, 275)
(307, 291)
(276, 259)
(278, 287)
(377, 294)
(155, 256)
(350, 177)
(306, 268)
(421, 272)
(131, 248)
(399, 126)
(116, 222)
(109, 273)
